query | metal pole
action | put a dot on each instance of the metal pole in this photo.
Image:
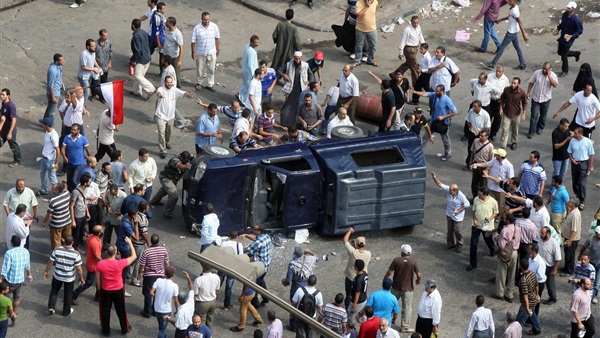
(318, 327)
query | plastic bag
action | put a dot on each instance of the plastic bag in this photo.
(463, 3)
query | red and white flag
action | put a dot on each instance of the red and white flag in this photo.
(113, 93)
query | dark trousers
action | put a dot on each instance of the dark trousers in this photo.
(79, 231)
(580, 175)
(303, 330)
(228, 286)
(13, 145)
(590, 328)
(260, 281)
(93, 218)
(3, 328)
(68, 295)
(470, 138)
(180, 333)
(537, 120)
(541, 288)
(565, 52)
(587, 132)
(148, 299)
(475, 233)
(70, 169)
(477, 181)
(107, 299)
(424, 326)
(104, 149)
(422, 84)
(348, 286)
(108, 230)
(551, 283)
(494, 110)
(96, 88)
(90, 278)
(570, 256)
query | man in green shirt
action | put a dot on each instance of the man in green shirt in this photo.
(6, 310)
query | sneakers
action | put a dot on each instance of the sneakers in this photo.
(74, 302)
(520, 67)
(74, 5)
(14, 164)
(185, 124)
(70, 311)
(153, 119)
(446, 157)
(51, 312)
(562, 74)
(595, 300)
(127, 294)
(13, 319)
(364, 59)
(136, 282)
(488, 65)
(351, 56)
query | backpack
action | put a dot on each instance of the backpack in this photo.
(308, 304)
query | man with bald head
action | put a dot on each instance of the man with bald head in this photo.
(349, 91)
(456, 205)
(385, 331)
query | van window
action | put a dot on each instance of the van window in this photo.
(371, 158)
(296, 164)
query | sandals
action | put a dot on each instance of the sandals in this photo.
(39, 193)
(374, 64)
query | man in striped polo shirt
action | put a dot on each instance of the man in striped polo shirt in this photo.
(334, 315)
(58, 215)
(153, 262)
(67, 262)
(532, 176)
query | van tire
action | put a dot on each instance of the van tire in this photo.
(219, 151)
(346, 132)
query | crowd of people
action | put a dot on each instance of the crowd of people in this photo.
(527, 234)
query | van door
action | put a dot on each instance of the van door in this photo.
(301, 200)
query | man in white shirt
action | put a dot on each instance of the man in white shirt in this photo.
(385, 331)
(550, 253)
(142, 171)
(50, 154)
(148, 15)
(422, 83)
(105, 134)
(206, 290)
(441, 69)
(206, 46)
(165, 113)
(477, 120)
(588, 110)
(275, 329)
(185, 311)
(537, 265)
(429, 310)
(412, 38)
(238, 249)
(210, 227)
(254, 98)
(16, 225)
(539, 91)
(349, 92)
(499, 81)
(165, 293)
(482, 321)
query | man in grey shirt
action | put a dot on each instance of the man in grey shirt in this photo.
(173, 46)
(550, 253)
(104, 60)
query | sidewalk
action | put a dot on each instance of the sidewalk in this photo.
(328, 12)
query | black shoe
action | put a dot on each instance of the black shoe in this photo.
(562, 74)
(471, 267)
(520, 67)
(292, 3)
(210, 89)
(480, 50)
(144, 314)
(539, 132)
(257, 322)
(492, 138)
(168, 146)
(495, 296)
(464, 138)
(235, 329)
(508, 299)
(465, 168)
(74, 302)
(492, 280)
(163, 155)
(60, 173)
(513, 146)
(458, 248)
(452, 247)
(549, 301)
(529, 136)
(577, 56)
(310, 5)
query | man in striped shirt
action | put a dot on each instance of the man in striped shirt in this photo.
(153, 262)
(532, 176)
(67, 262)
(334, 315)
(58, 215)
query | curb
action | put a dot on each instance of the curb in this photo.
(255, 6)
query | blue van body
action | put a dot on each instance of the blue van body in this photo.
(369, 183)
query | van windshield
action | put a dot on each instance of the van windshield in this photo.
(371, 158)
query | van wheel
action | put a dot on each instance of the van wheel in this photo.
(219, 151)
(408, 230)
(346, 132)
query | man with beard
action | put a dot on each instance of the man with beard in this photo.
(588, 110)
(297, 76)
(513, 104)
(104, 60)
(569, 28)
(87, 66)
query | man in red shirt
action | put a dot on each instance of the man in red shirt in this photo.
(94, 255)
(368, 329)
(109, 280)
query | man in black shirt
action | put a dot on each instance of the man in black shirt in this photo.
(420, 122)
(388, 107)
(561, 136)
(169, 176)
(359, 290)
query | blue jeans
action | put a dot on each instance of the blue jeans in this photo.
(537, 121)
(522, 318)
(228, 286)
(595, 288)
(90, 279)
(328, 111)
(508, 38)
(46, 173)
(3, 328)
(51, 108)
(560, 167)
(162, 324)
(148, 194)
(475, 233)
(86, 90)
(371, 40)
(489, 32)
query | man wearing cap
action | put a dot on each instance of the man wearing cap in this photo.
(421, 122)
(513, 110)
(404, 268)
(570, 28)
(500, 168)
(349, 91)
(456, 204)
(429, 310)
(356, 250)
(297, 76)
(300, 268)
(316, 66)
(384, 303)
(412, 38)
(593, 244)
(50, 153)
(287, 40)
(249, 65)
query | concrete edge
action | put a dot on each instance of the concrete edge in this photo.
(310, 26)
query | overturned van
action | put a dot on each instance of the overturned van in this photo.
(369, 183)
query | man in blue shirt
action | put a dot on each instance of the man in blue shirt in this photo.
(134, 200)
(384, 302)
(73, 154)
(197, 330)
(581, 152)
(88, 167)
(268, 81)
(129, 221)
(54, 84)
(570, 28)
(558, 202)
(443, 111)
(207, 128)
